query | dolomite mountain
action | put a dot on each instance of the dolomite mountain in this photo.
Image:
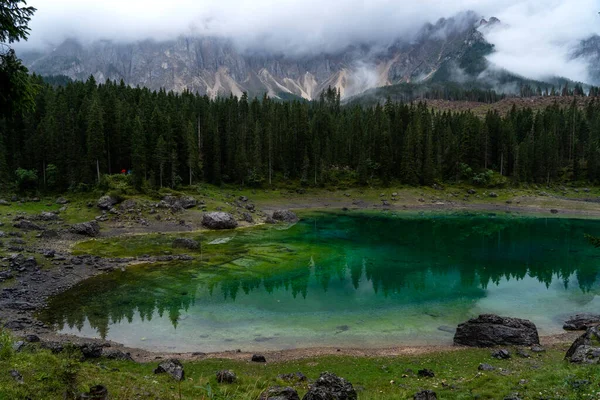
(216, 67)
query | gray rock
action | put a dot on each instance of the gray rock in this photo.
(247, 217)
(179, 203)
(294, 376)
(4, 203)
(285, 216)
(501, 354)
(27, 225)
(226, 376)
(116, 354)
(486, 367)
(425, 395)
(581, 322)
(537, 349)
(62, 200)
(554, 211)
(90, 349)
(106, 202)
(16, 375)
(258, 358)
(425, 373)
(185, 243)
(32, 338)
(471, 191)
(97, 392)
(219, 220)
(86, 228)
(493, 194)
(48, 253)
(48, 216)
(172, 367)
(586, 348)
(279, 393)
(489, 330)
(18, 346)
(330, 387)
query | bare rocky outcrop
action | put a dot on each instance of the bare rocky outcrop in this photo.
(489, 330)
(219, 220)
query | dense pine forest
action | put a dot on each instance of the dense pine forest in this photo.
(79, 131)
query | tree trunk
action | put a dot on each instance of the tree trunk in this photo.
(98, 169)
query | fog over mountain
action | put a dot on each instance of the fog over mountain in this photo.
(535, 39)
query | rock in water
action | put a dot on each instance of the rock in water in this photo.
(172, 367)
(226, 376)
(489, 330)
(425, 395)
(86, 228)
(279, 393)
(219, 220)
(581, 322)
(330, 387)
(106, 202)
(586, 348)
(285, 216)
(185, 243)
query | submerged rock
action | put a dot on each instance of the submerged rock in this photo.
(489, 330)
(581, 322)
(86, 228)
(226, 376)
(219, 220)
(185, 243)
(586, 348)
(172, 367)
(330, 387)
(279, 393)
(284, 216)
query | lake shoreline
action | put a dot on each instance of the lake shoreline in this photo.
(31, 290)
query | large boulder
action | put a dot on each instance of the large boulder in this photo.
(581, 322)
(219, 220)
(172, 367)
(489, 330)
(586, 348)
(106, 202)
(86, 228)
(284, 216)
(279, 393)
(330, 387)
(185, 243)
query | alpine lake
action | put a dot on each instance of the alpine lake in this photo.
(337, 280)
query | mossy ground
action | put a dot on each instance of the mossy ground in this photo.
(543, 376)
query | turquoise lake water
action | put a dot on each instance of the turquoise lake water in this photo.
(344, 280)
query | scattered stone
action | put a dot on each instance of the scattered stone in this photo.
(293, 376)
(586, 348)
(279, 393)
(522, 353)
(537, 349)
(243, 198)
(48, 253)
(128, 205)
(493, 194)
(471, 191)
(32, 338)
(97, 392)
(185, 243)
(425, 373)
(489, 330)
(106, 202)
(486, 367)
(554, 211)
(580, 383)
(285, 216)
(513, 396)
(62, 200)
(16, 375)
(330, 387)
(116, 354)
(219, 220)
(4, 203)
(501, 354)
(581, 322)
(226, 376)
(86, 228)
(90, 350)
(48, 216)
(172, 367)
(247, 217)
(425, 395)
(259, 358)
(27, 225)
(49, 234)
(18, 346)
(179, 203)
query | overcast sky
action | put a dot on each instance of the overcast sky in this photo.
(535, 42)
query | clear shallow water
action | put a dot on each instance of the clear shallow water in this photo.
(344, 281)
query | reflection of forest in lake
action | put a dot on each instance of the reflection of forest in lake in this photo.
(344, 264)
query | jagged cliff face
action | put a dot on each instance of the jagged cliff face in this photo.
(214, 66)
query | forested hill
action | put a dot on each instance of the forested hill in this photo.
(83, 130)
